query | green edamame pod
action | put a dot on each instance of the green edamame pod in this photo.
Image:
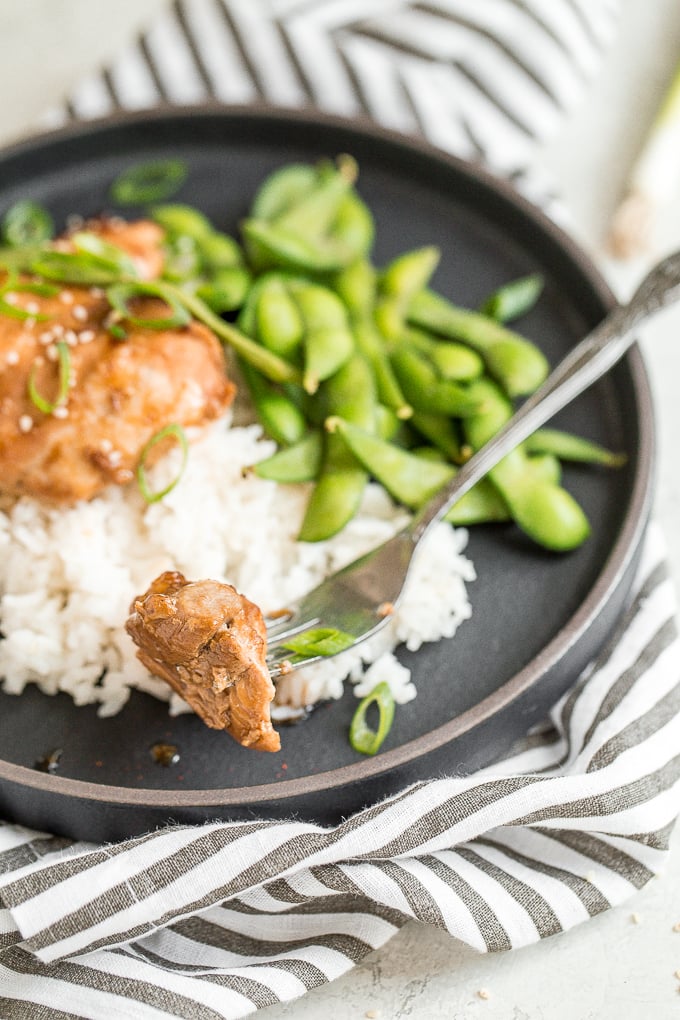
(453, 360)
(574, 448)
(279, 416)
(425, 391)
(371, 344)
(443, 433)
(220, 251)
(542, 509)
(300, 462)
(182, 220)
(401, 280)
(354, 225)
(513, 299)
(409, 479)
(226, 290)
(313, 214)
(483, 503)
(387, 424)
(356, 285)
(517, 364)
(271, 246)
(282, 189)
(337, 494)
(327, 341)
(545, 466)
(278, 321)
(302, 235)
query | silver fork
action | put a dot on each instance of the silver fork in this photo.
(358, 598)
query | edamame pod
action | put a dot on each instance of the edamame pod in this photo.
(409, 478)
(278, 322)
(426, 391)
(443, 433)
(517, 364)
(542, 509)
(327, 342)
(574, 448)
(483, 503)
(513, 299)
(453, 360)
(300, 462)
(401, 280)
(337, 494)
(279, 416)
(226, 290)
(282, 189)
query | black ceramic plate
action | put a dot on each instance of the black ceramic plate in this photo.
(537, 618)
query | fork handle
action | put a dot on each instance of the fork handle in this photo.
(583, 366)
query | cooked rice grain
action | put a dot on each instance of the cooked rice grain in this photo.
(68, 576)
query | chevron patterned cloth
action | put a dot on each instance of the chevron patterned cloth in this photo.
(220, 920)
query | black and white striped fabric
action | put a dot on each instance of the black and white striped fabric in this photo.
(219, 920)
(484, 80)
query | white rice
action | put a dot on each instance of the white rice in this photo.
(68, 576)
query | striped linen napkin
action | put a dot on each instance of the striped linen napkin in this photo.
(219, 920)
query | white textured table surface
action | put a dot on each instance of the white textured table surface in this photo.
(621, 965)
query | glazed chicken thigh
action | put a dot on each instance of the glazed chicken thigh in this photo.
(209, 643)
(121, 393)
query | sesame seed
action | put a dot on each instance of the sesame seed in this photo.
(29, 323)
(47, 337)
(86, 336)
(66, 297)
(676, 927)
(483, 993)
(115, 458)
(12, 357)
(106, 445)
(71, 337)
(80, 313)
(589, 876)
(58, 329)
(52, 353)
(10, 297)
(372, 1014)
(676, 974)
(635, 918)
(96, 292)
(25, 423)
(60, 412)
(32, 307)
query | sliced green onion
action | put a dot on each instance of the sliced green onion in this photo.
(20, 259)
(26, 222)
(514, 299)
(17, 287)
(151, 182)
(76, 267)
(120, 295)
(319, 641)
(179, 434)
(47, 406)
(114, 257)
(362, 738)
(117, 331)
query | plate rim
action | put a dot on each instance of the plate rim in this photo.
(615, 566)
